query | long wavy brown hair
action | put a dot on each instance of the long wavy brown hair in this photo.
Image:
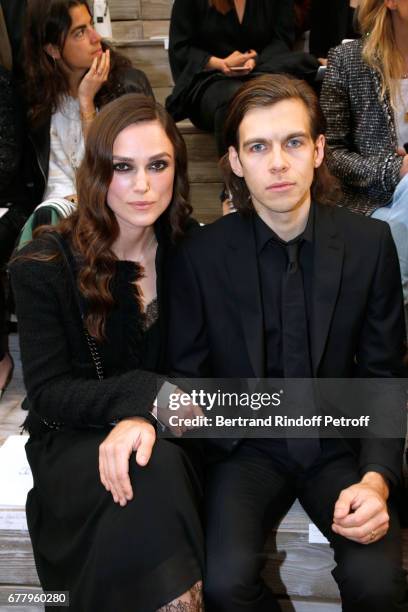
(92, 229)
(48, 22)
(261, 92)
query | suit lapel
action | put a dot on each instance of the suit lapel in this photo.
(327, 271)
(243, 271)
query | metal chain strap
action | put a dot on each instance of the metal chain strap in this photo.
(96, 358)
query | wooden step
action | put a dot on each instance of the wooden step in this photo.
(205, 201)
(151, 57)
(156, 9)
(121, 10)
(124, 9)
(139, 29)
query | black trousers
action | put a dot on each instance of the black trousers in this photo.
(210, 108)
(250, 490)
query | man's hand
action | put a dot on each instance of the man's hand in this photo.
(184, 411)
(93, 80)
(130, 435)
(360, 513)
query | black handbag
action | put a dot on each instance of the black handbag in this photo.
(93, 349)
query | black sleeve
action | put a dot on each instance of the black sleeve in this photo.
(188, 347)
(380, 172)
(185, 18)
(8, 137)
(380, 355)
(48, 321)
(283, 32)
(135, 81)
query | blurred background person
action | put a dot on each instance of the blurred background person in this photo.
(330, 23)
(70, 73)
(10, 218)
(365, 101)
(215, 45)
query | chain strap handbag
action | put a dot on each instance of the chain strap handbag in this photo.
(93, 349)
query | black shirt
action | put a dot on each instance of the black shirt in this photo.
(272, 265)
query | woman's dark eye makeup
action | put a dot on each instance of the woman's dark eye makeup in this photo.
(158, 165)
(121, 167)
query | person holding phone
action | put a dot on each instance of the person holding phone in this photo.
(365, 100)
(215, 45)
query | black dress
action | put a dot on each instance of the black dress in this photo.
(198, 31)
(109, 558)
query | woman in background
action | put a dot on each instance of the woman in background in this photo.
(215, 45)
(70, 75)
(10, 151)
(113, 512)
(365, 101)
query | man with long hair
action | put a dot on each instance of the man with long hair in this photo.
(282, 289)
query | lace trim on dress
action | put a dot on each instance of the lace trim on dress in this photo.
(150, 314)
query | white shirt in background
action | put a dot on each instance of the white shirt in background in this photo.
(66, 149)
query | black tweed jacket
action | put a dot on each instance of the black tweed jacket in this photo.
(361, 134)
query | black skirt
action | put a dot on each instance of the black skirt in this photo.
(133, 559)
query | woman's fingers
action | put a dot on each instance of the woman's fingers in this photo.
(145, 447)
(133, 434)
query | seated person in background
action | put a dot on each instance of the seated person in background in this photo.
(365, 100)
(119, 532)
(267, 292)
(8, 164)
(330, 23)
(70, 75)
(217, 44)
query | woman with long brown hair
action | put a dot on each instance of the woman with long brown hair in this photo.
(113, 512)
(70, 73)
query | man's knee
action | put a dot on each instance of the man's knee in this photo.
(371, 585)
(228, 585)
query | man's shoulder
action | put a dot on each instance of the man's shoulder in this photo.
(351, 224)
(217, 234)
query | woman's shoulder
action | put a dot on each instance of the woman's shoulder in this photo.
(39, 256)
(349, 52)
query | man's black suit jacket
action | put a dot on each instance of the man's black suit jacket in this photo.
(357, 325)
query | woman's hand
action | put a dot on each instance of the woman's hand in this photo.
(249, 65)
(244, 61)
(130, 435)
(404, 167)
(93, 80)
(238, 59)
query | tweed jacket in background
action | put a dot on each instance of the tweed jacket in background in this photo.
(361, 134)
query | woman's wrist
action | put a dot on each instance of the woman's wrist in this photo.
(86, 104)
(88, 115)
(214, 63)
